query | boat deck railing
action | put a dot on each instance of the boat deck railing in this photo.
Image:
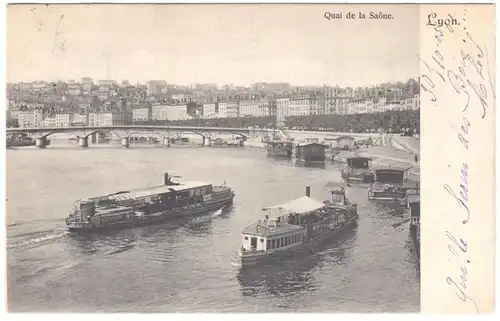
(219, 188)
(111, 209)
(251, 251)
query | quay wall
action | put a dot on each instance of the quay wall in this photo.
(404, 142)
(302, 134)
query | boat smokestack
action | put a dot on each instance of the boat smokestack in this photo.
(308, 191)
(166, 179)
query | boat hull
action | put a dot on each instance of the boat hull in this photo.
(253, 258)
(280, 153)
(389, 197)
(155, 218)
(310, 164)
(415, 247)
(358, 178)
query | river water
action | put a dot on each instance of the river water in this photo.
(190, 265)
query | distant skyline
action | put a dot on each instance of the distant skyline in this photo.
(221, 44)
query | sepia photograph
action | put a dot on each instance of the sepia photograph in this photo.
(213, 158)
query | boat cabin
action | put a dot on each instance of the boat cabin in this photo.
(346, 143)
(279, 144)
(337, 193)
(390, 175)
(151, 199)
(285, 230)
(358, 162)
(311, 152)
(389, 185)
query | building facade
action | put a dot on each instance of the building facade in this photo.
(209, 111)
(49, 122)
(64, 120)
(169, 112)
(110, 119)
(142, 114)
(232, 109)
(30, 119)
(300, 107)
(410, 103)
(249, 108)
(282, 111)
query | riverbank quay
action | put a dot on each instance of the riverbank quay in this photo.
(410, 144)
(382, 156)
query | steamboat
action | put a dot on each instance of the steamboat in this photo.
(389, 185)
(357, 170)
(278, 148)
(299, 225)
(148, 205)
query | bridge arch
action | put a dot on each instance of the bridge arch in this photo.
(91, 133)
(57, 132)
(48, 134)
(202, 131)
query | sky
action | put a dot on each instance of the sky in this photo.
(223, 44)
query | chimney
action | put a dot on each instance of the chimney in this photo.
(166, 179)
(308, 191)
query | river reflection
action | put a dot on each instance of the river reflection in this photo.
(299, 163)
(117, 241)
(294, 275)
(187, 265)
(392, 208)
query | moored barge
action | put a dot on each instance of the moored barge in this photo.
(148, 205)
(357, 170)
(388, 185)
(298, 225)
(278, 148)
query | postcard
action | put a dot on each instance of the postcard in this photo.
(250, 158)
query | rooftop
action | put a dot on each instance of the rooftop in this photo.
(413, 199)
(390, 168)
(359, 158)
(265, 229)
(301, 205)
(160, 189)
(310, 143)
(332, 184)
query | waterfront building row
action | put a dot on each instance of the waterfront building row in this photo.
(280, 108)
(39, 119)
